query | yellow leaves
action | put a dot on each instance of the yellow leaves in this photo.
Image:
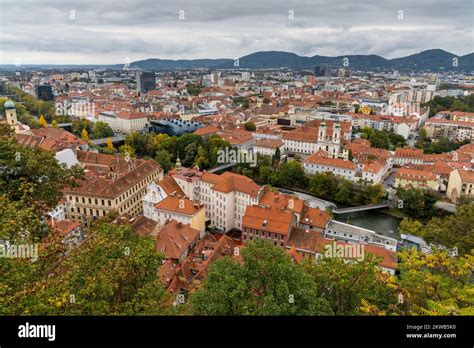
(370, 309)
(42, 121)
(84, 135)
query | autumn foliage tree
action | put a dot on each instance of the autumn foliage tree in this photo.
(31, 183)
(114, 271)
(42, 121)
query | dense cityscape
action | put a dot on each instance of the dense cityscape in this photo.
(274, 184)
(204, 163)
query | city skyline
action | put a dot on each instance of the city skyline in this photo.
(105, 32)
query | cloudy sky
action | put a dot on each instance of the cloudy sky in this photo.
(112, 31)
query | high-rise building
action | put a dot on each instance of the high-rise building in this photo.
(214, 78)
(145, 82)
(319, 71)
(44, 92)
(245, 76)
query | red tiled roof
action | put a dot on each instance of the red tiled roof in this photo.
(178, 204)
(175, 238)
(268, 219)
(269, 143)
(282, 201)
(315, 217)
(169, 185)
(319, 158)
(413, 174)
(409, 153)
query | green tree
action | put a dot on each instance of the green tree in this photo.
(186, 139)
(396, 140)
(266, 283)
(114, 272)
(250, 126)
(435, 278)
(366, 133)
(201, 159)
(78, 125)
(453, 231)
(31, 184)
(190, 153)
(344, 192)
(139, 142)
(344, 285)
(163, 157)
(417, 202)
(276, 156)
(102, 130)
(323, 185)
(409, 226)
(127, 150)
(292, 174)
(380, 139)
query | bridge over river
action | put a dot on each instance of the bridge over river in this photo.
(323, 204)
(360, 208)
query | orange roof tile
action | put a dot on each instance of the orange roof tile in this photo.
(268, 219)
(319, 158)
(178, 204)
(415, 175)
(175, 238)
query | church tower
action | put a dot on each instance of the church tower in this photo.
(10, 113)
(322, 132)
(178, 166)
(337, 133)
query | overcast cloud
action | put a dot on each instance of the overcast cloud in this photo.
(107, 31)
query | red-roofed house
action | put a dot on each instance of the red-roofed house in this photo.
(319, 162)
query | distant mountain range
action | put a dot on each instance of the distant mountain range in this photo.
(435, 60)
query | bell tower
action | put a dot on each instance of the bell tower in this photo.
(10, 113)
(322, 131)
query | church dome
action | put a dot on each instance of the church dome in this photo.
(9, 104)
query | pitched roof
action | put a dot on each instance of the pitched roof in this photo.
(97, 181)
(269, 143)
(169, 185)
(313, 241)
(237, 137)
(408, 153)
(143, 225)
(178, 204)
(281, 201)
(64, 227)
(268, 219)
(416, 175)
(466, 175)
(206, 130)
(167, 271)
(139, 224)
(175, 238)
(51, 139)
(315, 217)
(373, 167)
(234, 182)
(321, 159)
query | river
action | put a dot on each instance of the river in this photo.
(375, 220)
